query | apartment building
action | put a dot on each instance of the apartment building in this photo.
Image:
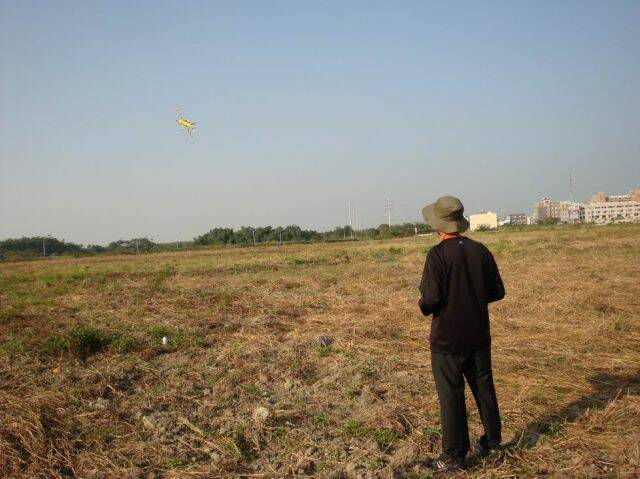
(605, 208)
(487, 219)
(545, 209)
(571, 212)
(612, 212)
(516, 219)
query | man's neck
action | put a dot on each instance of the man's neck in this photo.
(446, 236)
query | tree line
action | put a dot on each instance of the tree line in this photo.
(39, 246)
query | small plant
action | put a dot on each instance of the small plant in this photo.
(252, 389)
(161, 276)
(417, 475)
(343, 255)
(395, 250)
(353, 428)
(301, 261)
(123, 344)
(324, 351)
(12, 347)
(56, 345)
(384, 437)
(173, 462)
(355, 392)
(86, 340)
(320, 420)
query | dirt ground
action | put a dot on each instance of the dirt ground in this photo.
(313, 360)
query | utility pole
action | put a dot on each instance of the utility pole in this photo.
(388, 208)
(44, 249)
(137, 247)
(350, 219)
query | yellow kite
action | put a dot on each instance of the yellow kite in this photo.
(188, 125)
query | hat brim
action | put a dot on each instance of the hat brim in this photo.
(439, 224)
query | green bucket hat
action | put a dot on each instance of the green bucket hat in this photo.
(446, 215)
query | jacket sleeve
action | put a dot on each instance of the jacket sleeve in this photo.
(431, 285)
(495, 287)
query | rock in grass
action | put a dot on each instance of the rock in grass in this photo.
(148, 423)
(260, 413)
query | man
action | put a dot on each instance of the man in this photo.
(460, 279)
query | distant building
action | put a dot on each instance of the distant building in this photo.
(633, 195)
(487, 219)
(613, 209)
(516, 219)
(545, 209)
(612, 212)
(571, 212)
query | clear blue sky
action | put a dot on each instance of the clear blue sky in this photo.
(303, 106)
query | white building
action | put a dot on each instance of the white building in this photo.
(625, 211)
(487, 219)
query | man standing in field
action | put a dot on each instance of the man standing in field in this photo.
(460, 279)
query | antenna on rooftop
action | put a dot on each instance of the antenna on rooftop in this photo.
(570, 188)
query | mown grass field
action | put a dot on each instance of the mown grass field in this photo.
(313, 360)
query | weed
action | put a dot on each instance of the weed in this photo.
(56, 345)
(343, 256)
(304, 261)
(86, 340)
(417, 475)
(157, 281)
(12, 347)
(252, 389)
(324, 351)
(384, 437)
(353, 428)
(355, 392)
(173, 462)
(123, 344)
(320, 420)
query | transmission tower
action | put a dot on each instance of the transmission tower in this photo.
(570, 188)
(387, 206)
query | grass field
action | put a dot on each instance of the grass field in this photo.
(313, 360)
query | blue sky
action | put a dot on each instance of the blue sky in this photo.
(304, 106)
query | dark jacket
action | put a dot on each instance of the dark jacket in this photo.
(460, 279)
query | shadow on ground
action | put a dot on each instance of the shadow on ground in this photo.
(606, 387)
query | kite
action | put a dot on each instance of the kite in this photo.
(188, 125)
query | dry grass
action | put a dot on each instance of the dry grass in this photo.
(244, 387)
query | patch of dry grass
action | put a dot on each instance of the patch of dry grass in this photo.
(244, 387)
